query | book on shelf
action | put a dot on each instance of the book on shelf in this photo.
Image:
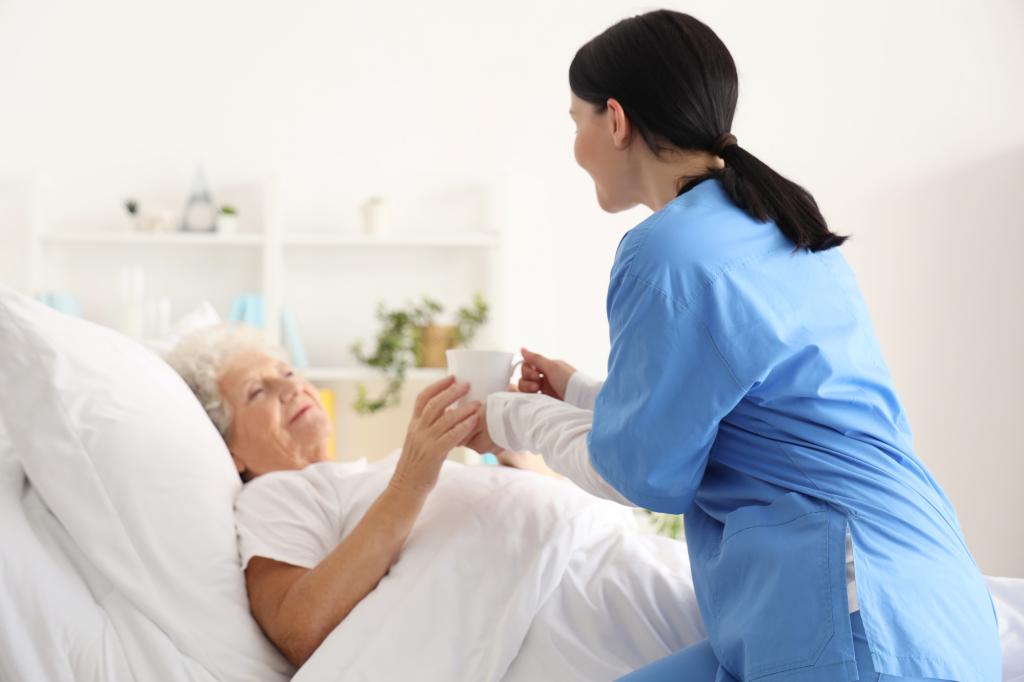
(292, 340)
(249, 309)
(62, 301)
(327, 398)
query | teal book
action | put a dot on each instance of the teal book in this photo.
(237, 313)
(62, 301)
(292, 340)
(254, 311)
(247, 308)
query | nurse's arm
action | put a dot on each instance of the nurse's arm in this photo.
(582, 390)
(539, 423)
(668, 389)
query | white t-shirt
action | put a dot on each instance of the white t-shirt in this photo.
(298, 517)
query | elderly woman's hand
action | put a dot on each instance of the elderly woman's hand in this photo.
(433, 431)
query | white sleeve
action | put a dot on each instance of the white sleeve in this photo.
(582, 390)
(283, 516)
(553, 428)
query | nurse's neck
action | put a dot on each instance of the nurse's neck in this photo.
(659, 178)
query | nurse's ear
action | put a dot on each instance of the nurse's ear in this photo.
(621, 128)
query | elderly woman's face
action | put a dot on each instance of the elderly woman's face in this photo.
(278, 421)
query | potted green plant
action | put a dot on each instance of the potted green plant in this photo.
(227, 219)
(410, 337)
(669, 525)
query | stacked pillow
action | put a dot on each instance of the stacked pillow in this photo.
(137, 477)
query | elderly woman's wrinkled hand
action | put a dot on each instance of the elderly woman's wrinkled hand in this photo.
(433, 431)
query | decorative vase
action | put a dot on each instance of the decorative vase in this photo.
(227, 223)
(200, 214)
(436, 339)
(375, 216)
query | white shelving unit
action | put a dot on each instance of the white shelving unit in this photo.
(143, 239)
(330, 281)
(266, 255)
(440, 240)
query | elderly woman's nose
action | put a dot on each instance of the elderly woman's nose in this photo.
(286, 387)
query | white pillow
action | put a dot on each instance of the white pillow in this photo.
(124, 456)
(51, 627)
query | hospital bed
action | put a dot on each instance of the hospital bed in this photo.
(120, 562)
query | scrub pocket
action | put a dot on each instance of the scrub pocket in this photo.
(770, 588)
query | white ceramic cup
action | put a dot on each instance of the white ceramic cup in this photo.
(486, 371)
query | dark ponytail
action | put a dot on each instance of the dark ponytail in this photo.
(677, 83)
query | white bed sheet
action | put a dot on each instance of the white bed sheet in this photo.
(1008, 597)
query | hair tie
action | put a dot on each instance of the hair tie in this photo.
(724, 141)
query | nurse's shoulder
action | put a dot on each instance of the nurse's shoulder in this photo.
(693, 241)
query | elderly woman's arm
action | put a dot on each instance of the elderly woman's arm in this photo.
(298, 607)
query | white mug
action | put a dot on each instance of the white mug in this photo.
(486, 371)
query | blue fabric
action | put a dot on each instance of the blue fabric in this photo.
(746, 389)
(697, 663)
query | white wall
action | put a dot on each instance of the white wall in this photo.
(906, 120)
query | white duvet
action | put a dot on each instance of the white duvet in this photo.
(505, 574)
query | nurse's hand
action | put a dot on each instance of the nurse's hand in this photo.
(544, 375)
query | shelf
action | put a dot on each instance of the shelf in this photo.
(343, 374)
(454, 239)
(167, 238)
(309, 240)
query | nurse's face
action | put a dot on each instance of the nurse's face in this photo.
(603, 149)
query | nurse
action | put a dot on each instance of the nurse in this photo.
(746, 390)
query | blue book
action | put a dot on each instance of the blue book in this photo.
(61, 301)
(292, 340)
(254, 311)
(237, 313)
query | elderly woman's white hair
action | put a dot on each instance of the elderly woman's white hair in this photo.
(200, 357)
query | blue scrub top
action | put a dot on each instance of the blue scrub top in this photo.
(746, 389)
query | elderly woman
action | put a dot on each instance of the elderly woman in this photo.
(272, 420)
(309, 559)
